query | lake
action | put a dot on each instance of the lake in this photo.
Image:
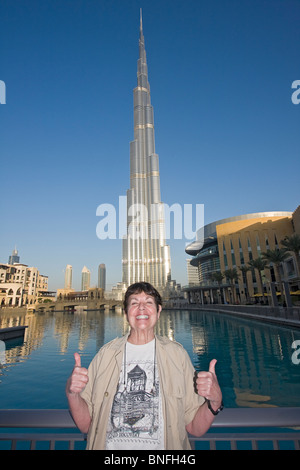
(254, 367)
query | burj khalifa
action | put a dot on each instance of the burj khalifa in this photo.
(146, 257)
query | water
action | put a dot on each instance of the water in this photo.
(254, 365)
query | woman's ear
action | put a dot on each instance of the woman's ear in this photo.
(159, 310)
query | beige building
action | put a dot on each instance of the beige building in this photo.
(231, 244)
(21, 285)
(192, 273)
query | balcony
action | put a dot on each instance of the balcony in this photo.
(234, 429)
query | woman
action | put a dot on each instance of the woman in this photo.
(140, 391)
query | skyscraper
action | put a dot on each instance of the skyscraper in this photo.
(68, 277)
(146, 257)
(85, 278)
(102, 276)
(14, 258)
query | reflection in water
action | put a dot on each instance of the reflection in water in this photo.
(254, 359)
(2, 353)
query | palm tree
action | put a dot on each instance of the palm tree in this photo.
(244, 269)
(218, 277)
(292, 244)
(259, 264)
(232, 275)
(276, 257)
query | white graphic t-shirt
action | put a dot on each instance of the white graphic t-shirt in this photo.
(136, 420)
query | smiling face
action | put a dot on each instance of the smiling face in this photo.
(142, 313)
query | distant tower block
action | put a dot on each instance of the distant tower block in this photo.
(68, 277)
(85, 278)
(102, 276)
(14, 258)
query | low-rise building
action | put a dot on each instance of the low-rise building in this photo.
(21, 285)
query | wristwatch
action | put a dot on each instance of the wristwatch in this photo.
(212, 410)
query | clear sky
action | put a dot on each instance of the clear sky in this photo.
(227, 132)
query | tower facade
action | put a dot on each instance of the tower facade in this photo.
(146, 257)
(85, 278)
(68, 277)
(14, 258)
(102, 276)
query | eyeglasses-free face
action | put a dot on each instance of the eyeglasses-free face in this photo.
(142, 312)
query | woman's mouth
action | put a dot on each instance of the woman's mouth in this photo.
(142, 317)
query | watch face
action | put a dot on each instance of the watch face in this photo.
(221, 407)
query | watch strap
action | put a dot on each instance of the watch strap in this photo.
(215, 412)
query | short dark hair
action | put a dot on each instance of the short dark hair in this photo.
(139, 287)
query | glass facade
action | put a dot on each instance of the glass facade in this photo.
(207, 268)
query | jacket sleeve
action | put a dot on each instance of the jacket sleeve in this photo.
(87, 392)
(192, 400)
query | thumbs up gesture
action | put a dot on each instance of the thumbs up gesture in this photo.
(78, 379)
(207, 385)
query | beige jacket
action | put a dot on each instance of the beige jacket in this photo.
(179, 400)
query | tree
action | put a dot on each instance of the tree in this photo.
(244, 269)
(276, 257)
(232, 275)
(259, 264)
(292, 244)
(218, 277)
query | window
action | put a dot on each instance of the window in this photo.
(267, 242)
(241, 252)
(258, 245)
(225, 257)
(290, 268)
(232, 254)
(249, 249)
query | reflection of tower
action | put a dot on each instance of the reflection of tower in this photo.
(85, 278)
(146, 257)
(68, 277)
(14, 258)
(102, 276)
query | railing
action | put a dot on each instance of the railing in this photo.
(44, 427)
(253, 428)
(233, 428)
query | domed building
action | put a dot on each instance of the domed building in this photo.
(232, 243)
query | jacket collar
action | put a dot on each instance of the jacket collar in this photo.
(119, 343)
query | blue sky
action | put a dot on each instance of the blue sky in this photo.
(227, 132)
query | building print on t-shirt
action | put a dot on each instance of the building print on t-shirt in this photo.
(136, 393)
(135, 407)
(136, 417)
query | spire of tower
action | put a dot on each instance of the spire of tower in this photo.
(141, 21)
(142, 40)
